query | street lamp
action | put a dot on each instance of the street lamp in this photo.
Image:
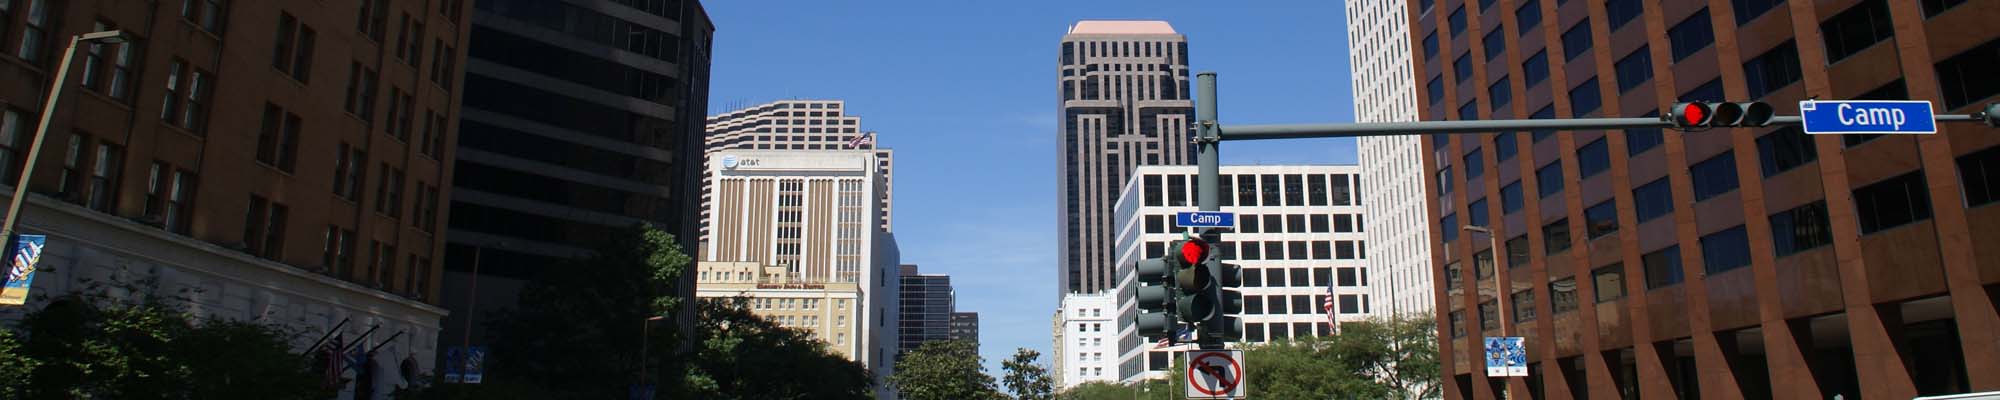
(1499, 292)
(42, 129)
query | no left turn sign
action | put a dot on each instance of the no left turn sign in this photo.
(1215, 374)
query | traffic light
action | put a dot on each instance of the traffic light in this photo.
(1992, 115)
(1195, 284)
(1698, 115)
(1228, 277)
(1159, 296)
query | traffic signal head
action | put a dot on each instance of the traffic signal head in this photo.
(1992, 114)
(1689, 115)
(1695, 115)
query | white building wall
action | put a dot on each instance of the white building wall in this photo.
(1318, 237)
(1393, 188)
(1088, 334)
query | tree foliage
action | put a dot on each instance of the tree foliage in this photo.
(94, 346)
(744, 356)
(1027, 378)
(943, 370)
(1099, 390)
(1391, 358)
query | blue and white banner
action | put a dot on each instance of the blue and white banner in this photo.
(1506, 356)
(27, 252)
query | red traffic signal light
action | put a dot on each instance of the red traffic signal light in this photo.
(1193, 251)
(1695, 115)
(1690, 115)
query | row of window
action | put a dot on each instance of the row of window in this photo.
(1277, 250)
(1275, 190)
(1271, 223)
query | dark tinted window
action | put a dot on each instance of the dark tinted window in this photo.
(1714, 176)
(1457, 21)
(1981, 174)
(1562, 295)
(1469, 110)
(1511, 198)
(1709, 91)
(1621, 12)
(1592, 159)
(1691, 35)
(1856, 29)
(1893, 202)
(1462, 68)
(1584, 99)
(1436, 89)
(1934, 7)
(1527, 16)
(1784, 149)
(1772, 70)
(1431, 45)
(1474, 164)
(1635, 69)
(1504, 146)
(1653, 200)
(1555, 236)
(1549, 179)
(1601, 219)
(1449, 226)
(1547, 112)
(1517, 253)
(1639, 140)
(1476, 213)
(1663, 267)
(1576, 40)
(1535, 69)
(1496, 44)
(1725, 250)
(1800, 229)
(1747, 10)
(1967, 78)
(1499, 94)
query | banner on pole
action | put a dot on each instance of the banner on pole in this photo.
(1506, 357)
(22, 258)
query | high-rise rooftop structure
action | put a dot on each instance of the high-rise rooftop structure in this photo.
(1726, 263)
(1124, 102)
(1378, 42)
(927, 305)
(808, 125)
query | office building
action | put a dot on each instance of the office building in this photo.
(809, 125)
(1124, 103)
(965, 326)
(927, 305)
(812, 215)
(1086, 341)
(1379, 42)
(262, 158)
(580, 120)
(1727, 263)
(1299, 238)
(829, 311)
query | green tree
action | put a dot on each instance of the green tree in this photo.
(95, 346)
(1384, 358)
(1400, 352)
(15, 367)
(743, 356)
(1097, 391)
(943, 370)
(578, 329)
(1026, 378)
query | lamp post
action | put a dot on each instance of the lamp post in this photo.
(42, 129)
(1499, 292)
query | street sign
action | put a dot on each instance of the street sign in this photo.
(1505, 356)
(1206, 219)
(1867, 117)
(1215, 374)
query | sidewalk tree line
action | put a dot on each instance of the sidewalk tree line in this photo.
(1383, 358)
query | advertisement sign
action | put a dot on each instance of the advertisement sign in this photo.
(1505, 356)
(463, 366)
(25, 254)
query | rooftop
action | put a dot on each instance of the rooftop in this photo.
(1121, 28)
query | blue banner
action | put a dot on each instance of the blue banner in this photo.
(26, 253)
(1506, 356)
(463, 366)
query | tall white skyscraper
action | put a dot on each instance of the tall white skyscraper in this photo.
(1392, 184)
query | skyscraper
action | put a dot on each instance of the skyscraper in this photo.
(1124, 103)
(1726, 263)
(1378, 42)
(797, 125)
(581, 118)
(965, 326)
(927, 305)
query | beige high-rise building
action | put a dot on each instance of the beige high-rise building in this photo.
(806, 222)
(1124, 103)
(795, 125)
(831, 312)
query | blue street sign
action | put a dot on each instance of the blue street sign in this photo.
(1205, 219)
(1867, 117)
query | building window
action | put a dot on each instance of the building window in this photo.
(1504, 146)
(1714, 176)
(1799, 229)
(1772, 70)
(1510, 198)
(179, 209)
(1489, 315)
(1452, 279)
(1893, 202)
(1980, 174)
(1691, 35)
(1576, 40)
(1498, 94)
(389, 192)
(1496, 44)
(361, 91)
(1653, 200)
(1549, 179)
(1663, 267)
(1462, 68)
(1444, 180)
(373, 19)
(442, 63)
(1855, 29)
(1430, 45)
(1592, 159)
(1967, 78)
(1469, 110)
(1748, 10)
(1601, 219)
(264, 228)
(1621, 12)
(1535, 69)
(1449, 227)
(1635, 69)
(293, 56)
(1725, 250)
(1294, 191)
(1270, 190)
(1436, 89)
(1609, 281)
(1457, 21)
(1524, 306)
(1345, 223)
(1562, 295)
(1639, 140)
(1547, 112)
(1555, 237)
(1476, 213)
(1457, 320)
(1475, 165)
(70, 185)
(1517, 252)
(349, 171)
(207, 14)
(277, 138)
(186, 97)
(1584, 99)
(34, 34)
(1785, 149)
(1527, 16)
(110, 160)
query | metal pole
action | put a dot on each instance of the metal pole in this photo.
(471, 301)
(1499, 292)
(1207, 197)
(35, 145)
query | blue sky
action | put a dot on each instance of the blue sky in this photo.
(965, 92)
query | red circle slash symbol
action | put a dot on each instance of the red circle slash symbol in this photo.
(1225, 382)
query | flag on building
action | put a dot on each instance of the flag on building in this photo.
(1332, 314)
(866, 138)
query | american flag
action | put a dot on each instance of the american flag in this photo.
(867, 138)
(1332, 323)
(332, 368)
